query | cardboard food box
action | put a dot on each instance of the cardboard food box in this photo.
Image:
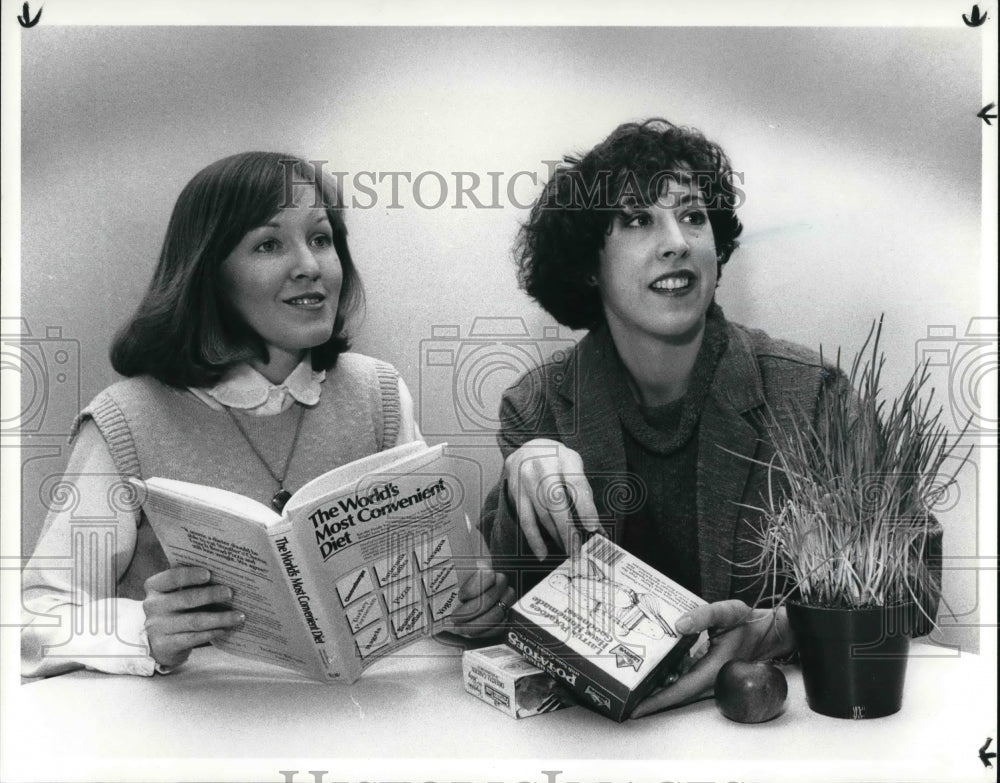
(603, 624)
(501, 677)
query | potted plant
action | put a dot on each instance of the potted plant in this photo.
(849, 542)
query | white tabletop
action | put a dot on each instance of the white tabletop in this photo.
(226, 717)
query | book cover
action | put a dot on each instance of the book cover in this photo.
(364, 559)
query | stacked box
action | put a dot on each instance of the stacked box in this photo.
(501, 677)
(603, 624)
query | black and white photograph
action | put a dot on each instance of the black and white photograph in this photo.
(331, 331)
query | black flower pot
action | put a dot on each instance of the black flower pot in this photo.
(853, 660)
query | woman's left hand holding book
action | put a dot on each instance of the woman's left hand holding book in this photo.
(484, 598)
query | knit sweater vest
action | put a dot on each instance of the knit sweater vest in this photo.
(155, 430)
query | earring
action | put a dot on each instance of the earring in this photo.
(592, 281)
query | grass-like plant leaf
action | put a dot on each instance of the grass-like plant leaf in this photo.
(852, 525)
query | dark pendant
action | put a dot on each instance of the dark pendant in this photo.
(281, 497)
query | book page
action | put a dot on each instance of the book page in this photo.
(387, 552)
(194, 531)
(232, 503)
(352, 472)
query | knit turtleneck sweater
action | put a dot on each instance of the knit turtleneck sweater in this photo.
(661, 452)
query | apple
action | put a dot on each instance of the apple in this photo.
(750, 691)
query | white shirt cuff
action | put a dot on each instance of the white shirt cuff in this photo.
(118, 647)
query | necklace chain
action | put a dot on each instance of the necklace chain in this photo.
(281, 496)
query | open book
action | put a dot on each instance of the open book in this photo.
(603, 623)
(362, 561)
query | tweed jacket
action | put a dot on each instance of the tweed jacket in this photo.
(570, 401)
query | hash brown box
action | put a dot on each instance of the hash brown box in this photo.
(501, 677)
(604, 625)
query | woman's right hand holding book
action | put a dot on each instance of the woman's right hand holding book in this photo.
(182, 613)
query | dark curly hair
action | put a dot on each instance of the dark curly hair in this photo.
(558, 246)
(186, 332)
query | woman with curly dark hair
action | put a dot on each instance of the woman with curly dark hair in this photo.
(561, 243)
(648, 429)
